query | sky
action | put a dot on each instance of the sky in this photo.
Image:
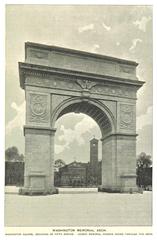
(118, 31)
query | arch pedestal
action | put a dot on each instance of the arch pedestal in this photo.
(119, 163)
(58, 81)
(39, 169)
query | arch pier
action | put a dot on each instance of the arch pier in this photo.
(58, 81)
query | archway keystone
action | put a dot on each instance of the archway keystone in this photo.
(59, 80)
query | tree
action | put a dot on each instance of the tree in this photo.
(144, 160)
(144, 170)
(20, 158)
(59, 163)
(12, 154)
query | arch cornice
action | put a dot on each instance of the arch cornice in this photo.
(43, 71)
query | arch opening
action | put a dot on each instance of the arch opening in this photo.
(103, 119)
(75, 149)
(75, 131)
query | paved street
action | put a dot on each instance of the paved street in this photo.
(80, 209)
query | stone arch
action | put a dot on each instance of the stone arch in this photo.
(57, 81)
(93, 108)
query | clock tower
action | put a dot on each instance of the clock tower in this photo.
(94, 156)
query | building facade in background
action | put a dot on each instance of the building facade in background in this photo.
(77, 174)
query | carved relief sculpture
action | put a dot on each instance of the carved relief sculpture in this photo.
(126, 116)
(86, 84)
(39, 108)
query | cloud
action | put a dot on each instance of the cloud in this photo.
(134, 43)
(145, 140)
(86, 28)
(18, 120)
(108, 28)
(145, 119)
(59, 148)
(70, 135)
(141, 24)
(95, 47)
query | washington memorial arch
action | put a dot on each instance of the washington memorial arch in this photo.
(58, 81)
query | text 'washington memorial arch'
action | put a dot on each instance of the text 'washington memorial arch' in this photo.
(58, 81)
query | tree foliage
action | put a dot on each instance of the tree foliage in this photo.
(14, 173)
(59, 163)
(12, 154)
(144, 160)
(144, 170)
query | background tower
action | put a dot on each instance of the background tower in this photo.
(94, 156)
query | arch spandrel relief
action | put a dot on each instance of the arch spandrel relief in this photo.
(57, 100)
(38, 108)
(112, 106)
(127, 116)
